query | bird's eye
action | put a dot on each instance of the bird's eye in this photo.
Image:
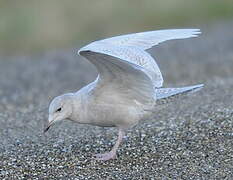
(58, 110)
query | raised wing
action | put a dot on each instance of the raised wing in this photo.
(146, 40)
(132, 55)
(121, 78)
(131, 48)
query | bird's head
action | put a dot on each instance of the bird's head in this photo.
(60, 108)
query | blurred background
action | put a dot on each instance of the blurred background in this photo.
(32, 26)
(39, 40)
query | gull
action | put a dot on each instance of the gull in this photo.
(127, 86)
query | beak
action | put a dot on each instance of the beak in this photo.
(48, 125)
(47, 128)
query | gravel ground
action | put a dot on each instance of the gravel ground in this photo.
(190, 137)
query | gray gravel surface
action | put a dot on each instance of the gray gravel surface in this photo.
(189, 137)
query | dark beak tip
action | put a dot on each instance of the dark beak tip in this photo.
(46, 129)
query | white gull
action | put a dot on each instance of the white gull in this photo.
(127, 87)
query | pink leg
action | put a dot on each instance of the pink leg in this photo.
(112, 154)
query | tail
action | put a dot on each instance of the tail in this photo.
(167, 92)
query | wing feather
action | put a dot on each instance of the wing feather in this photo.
(124, 59)
(146, 40)
(162, 93)
(132, 55)
(117, 76)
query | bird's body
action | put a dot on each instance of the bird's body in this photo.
(128, 84)
(97, 108)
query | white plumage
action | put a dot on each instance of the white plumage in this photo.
(145, 40)
(128, 84)
(132, 48)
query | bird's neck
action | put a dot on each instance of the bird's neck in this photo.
(78, 108)
(80, 103)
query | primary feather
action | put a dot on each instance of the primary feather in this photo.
(162, 93)
(146, 40)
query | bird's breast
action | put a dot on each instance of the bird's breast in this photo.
(109, 115)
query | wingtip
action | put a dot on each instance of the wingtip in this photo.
(196, 31)
(198, 86)
(201, 85)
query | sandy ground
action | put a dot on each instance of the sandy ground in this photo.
(190, 137)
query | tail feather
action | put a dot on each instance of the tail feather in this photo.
(162, 93)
